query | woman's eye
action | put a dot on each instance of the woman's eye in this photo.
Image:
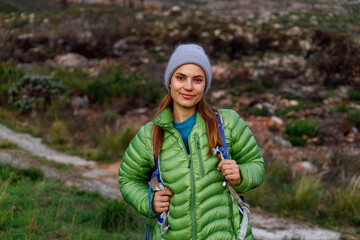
(180, 77)
(199, 80)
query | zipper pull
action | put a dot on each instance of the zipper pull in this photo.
(189, 161)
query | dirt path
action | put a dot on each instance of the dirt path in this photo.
(102, 178)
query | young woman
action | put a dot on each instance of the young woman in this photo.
(182, 135)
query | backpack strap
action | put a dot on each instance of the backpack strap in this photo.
(243, 207)
(162, 217)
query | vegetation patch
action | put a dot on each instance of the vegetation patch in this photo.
(32, 91)
(4, 143)
(307, 197)
(298, 132)
(34, 209)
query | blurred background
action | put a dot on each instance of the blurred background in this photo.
(83, 75)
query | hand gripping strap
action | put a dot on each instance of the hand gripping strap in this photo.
(243, 207)
(147, 233)
(162, 217)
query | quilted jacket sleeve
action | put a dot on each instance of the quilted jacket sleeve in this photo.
(135, 171)
(246, 152)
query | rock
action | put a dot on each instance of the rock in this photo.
(219, 94)
(80, 103)
(139, 16)
(176, 9)
(5, 158)
(294, 18)
(294, 31)
(26, 36)
(281, 142)
(305, 45)
(120, 46)
(71, 60)
(303, 168)
(217, 32)
(276, 121)
(354, 130)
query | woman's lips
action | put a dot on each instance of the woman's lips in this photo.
(187, 96)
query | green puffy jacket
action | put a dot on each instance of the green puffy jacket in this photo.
(201, 208)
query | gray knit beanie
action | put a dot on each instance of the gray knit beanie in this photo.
(188, 53)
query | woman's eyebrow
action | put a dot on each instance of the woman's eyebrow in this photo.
(194, 76)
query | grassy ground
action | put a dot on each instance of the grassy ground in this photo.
(314, 198)
(32, 208)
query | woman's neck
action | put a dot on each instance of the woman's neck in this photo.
(181, 114)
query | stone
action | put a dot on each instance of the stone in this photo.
(303, 168)
(281, 142)
(80, 103)
(71, 60)
(219, 94)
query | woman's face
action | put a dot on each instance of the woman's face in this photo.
(187, 85)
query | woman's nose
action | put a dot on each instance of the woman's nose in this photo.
(188, 85)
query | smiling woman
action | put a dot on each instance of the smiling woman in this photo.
(189, 198)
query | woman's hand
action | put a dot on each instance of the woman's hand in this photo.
(161, 200)
(230, 171)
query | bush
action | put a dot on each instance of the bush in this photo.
(32, 91)
(113, 144)
(354, 117)
(298, 131)
(346, 202)
(15, 174)
(355, 95)
(7, 144)
(254, 87)
(58, 132)
(342, 107)
(8, 75)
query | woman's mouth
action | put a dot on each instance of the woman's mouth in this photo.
(187, 96)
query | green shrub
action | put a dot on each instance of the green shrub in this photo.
(8, 75)
(16, 174)
(264, 111)
(297, 132)
(58, 132)
(32, 91)
(297, 140)
(308, 193)
(112, 144)
(75, 80)
(354, 117)
(342, 107)
(354, 95)
(289, 111)
(108, 118)
(4, 143)
(254, 87)
(345, 206)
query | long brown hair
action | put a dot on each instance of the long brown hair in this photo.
(205, 110)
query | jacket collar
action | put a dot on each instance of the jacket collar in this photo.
(164, 120)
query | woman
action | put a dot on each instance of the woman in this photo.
(182, 135)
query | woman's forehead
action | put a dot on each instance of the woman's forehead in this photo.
(190, 69)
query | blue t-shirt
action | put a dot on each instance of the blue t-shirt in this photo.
(185, 128)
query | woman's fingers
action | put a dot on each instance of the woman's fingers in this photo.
(226, 163)
(230, 171)
(161, 200)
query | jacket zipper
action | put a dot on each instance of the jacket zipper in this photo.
(202, 169)
(192, 182)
